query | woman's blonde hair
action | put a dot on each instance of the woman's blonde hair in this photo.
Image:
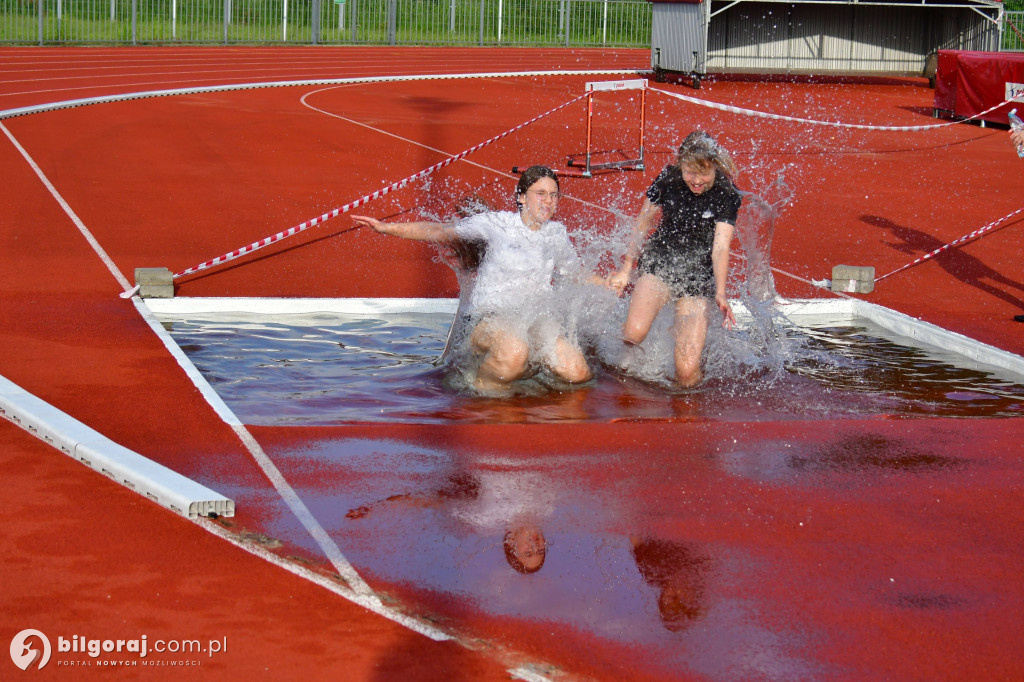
(703, 151)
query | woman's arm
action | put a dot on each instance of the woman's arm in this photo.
(420, 231)
(641, 227)
(720, 266)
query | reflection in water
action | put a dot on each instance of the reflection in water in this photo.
(490, 502)
(327, 369)
(617, 568)
(525, 548)
(678, 572)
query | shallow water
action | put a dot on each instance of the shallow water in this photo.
(331, 369)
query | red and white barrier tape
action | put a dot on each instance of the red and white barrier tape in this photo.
(255, 246)
(967, 237)
(761, 114)
(811, 121)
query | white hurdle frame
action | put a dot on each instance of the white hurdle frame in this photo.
(588, 166)
(628, 164)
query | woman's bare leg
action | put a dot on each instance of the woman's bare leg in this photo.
(569, 364)
(506, 356)
(691, 331)
(649, 296)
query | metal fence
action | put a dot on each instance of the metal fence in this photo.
(1013, 31)
(612, 23)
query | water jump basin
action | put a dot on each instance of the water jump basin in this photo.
(749, 529)
(317, 362)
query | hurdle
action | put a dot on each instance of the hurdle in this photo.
(586, 165)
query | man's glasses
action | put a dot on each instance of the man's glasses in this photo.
(544, 196)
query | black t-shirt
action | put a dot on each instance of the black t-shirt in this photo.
(679, 250)
(688, 220)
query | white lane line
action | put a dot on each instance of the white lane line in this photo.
(373, 604)
(288, 494)
(270, 470)
(255, 68)
(489, 169)
(179, 74)
(193, 373)
(125, 285)
(52, 106)
(299, 508)
(528, 675)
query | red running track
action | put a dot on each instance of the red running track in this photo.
(699, 548)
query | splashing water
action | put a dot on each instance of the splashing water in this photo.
(331, 368)
(339, 370)
(592, 316)
(761, 344)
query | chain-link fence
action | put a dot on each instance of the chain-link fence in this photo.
(595, 23)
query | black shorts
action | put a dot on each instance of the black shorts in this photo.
(682, 277)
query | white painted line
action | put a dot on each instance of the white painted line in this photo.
(299, 508)
(67, 104)
(528, 675)
(71, 214)
(270, 470)
(200, 382)
(148, 478)
(416, 143)
(371, 604)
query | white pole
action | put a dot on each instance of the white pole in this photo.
(284, 23)
(174, 19)
(499, 19)
(604, 24)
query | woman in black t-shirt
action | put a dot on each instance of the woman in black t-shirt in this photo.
(686, 259)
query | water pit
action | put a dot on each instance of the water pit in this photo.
(323, 362)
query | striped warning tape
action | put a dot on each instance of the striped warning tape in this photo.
(267, 241)
(762, 114)
(967, 237)
(811, 121)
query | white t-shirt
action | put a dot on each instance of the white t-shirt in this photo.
(519, 263)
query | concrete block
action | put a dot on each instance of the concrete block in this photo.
(853, 279)
(154, 282)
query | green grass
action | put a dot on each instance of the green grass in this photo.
(526, 22)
